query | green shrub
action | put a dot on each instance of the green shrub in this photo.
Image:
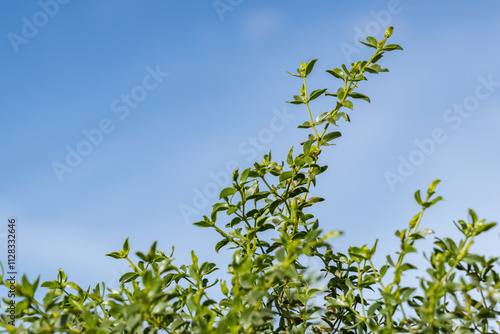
(271, 231)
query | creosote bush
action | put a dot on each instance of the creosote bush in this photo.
(272, 230)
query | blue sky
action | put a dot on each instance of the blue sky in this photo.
(173, 92)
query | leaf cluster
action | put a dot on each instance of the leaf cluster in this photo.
(271, 232)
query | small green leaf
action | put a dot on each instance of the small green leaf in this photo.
(274, 205)
(332, 121)
(115, 255)
(49, 285)
(289, 158)
(407, 266)
(418, 198)
(349, 283)
(307, 146)
(235, 221)
(337, 302)
(474, 259)
(221, 244)
(226, 192)
(302, 92)
(345, 69)
(372, 41)
(347, 104)
(337, 72)
(61, 276)
(432, 187)
(375, 68)
(407, 293)
(322, 117)
(20, 307)
(313, 200)
(342, 115)
(299, 235)
(331, 136)
(310, 66)
(295, 75)
(356, 95)
(305, 125)
(368, 44)
(244, 175)
(126, 247)
(280, 255)
(485, 227)
(377, 57)
(25, 283)
(298, 100)
(152, 251)
(452, 246)
(316, 93)
(473, 216)
(373, 307)
(223, 288)
(285, 175)
(391, 47)
(297, 191)
(359, 78)
(203, 224)
(194, 258)
(251, 190)
(340, 94)
(414, 220)
(431, 203)
(383, 270)
(424, 232)
(232, 209)
(129, 277)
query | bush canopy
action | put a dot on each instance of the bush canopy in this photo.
(271, 231)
